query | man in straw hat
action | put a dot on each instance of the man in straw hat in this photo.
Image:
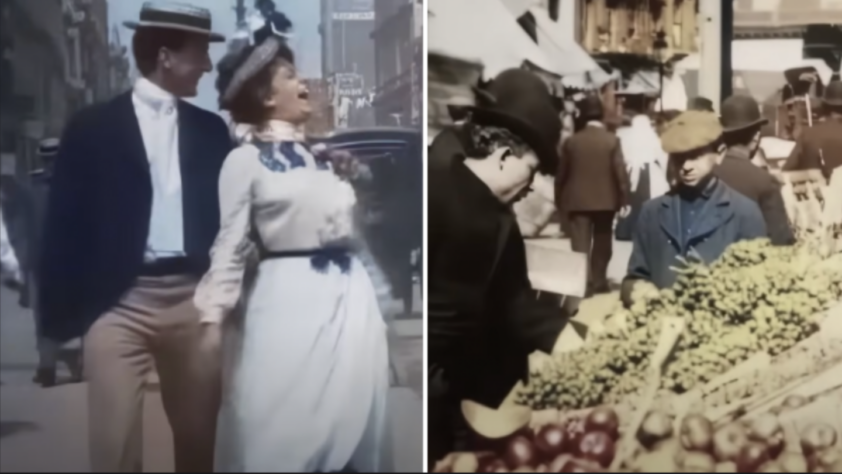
(133, 211)
(483, 318)
(591, 186)
(820, 147)
(699, 218)
(741, 122)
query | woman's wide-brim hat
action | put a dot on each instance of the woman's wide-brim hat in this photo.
(520, 102)
(176, 16)
(740, 112)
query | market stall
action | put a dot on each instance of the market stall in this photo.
(736, 368)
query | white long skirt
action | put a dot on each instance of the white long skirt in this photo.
(306, 375)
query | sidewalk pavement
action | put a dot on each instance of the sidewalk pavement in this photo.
(46, 430)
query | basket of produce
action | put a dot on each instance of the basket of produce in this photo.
(755, 331)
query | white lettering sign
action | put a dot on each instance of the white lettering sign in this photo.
(353, 16)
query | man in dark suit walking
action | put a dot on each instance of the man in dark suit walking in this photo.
(820, 146)
(741, 123)
(35, 197)
(483, 318)
(592, 185)
(133, 211)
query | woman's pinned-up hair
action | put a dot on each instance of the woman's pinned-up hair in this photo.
(244, 78)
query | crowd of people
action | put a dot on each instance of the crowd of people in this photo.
(157, 233)
(683, 189)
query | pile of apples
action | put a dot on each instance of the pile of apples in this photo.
(583, 444)
(590, 443)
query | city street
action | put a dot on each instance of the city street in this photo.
(46, 430)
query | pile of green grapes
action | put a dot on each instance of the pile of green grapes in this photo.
(756, 297)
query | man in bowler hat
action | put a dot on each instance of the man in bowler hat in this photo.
(133, 211)
(591, 186)
(699, 218)
(741, 122)
(483, 317)
(820, 147)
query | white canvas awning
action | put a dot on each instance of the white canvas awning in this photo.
(483, 32)
(569, 57)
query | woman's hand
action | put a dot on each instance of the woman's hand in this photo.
(345, 165)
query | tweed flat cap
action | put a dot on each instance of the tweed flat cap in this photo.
(691, 130)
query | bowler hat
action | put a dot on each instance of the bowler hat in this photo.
(176, 16)
(520, 102)
(740, 112)
(833, 94)
(590, 108)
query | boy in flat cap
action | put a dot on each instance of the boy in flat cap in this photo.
(741, 122)
(700, 217)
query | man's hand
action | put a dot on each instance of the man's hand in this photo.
(625, 211)
(210, 339)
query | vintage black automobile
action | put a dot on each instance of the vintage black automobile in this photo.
(391, 199)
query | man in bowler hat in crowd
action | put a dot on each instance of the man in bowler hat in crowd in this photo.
(592, 185)
(820, 146)
(699, 218)
(483, 317)
(741, 122)
(132, 214)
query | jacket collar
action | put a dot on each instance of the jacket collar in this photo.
(717, 212)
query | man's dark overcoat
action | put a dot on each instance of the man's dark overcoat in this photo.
(483, 317)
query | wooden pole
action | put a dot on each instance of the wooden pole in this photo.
(710, 44)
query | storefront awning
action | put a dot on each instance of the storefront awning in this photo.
(483, 32)
(569, 57)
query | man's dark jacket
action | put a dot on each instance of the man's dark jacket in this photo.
(757, 184)
(483, 318)
(100, 202)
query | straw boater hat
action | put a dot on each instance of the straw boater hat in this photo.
(741, 112)
(692, 130)
(48, 147)
(176, 16)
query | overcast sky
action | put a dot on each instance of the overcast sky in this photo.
(303, 13)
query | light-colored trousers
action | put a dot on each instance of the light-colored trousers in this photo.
(155, 323)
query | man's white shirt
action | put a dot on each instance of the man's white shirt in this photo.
(157, 115)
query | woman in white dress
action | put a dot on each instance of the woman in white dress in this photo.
(306, 390)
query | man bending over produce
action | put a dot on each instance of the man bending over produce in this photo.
(699, 218)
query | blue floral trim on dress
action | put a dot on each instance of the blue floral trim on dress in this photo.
(279, 157)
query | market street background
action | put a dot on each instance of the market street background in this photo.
(45, 430)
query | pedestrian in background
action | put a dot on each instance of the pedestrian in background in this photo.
(9, 264)
(646, 163)
(820, 146)
(50, 352)
(131, 217)
(741, 121)
(591, 187)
